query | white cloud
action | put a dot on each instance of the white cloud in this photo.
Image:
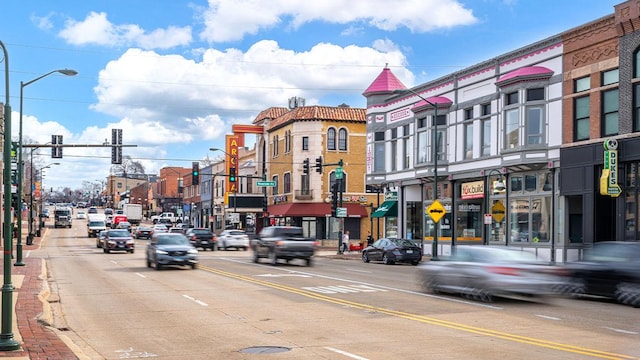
(97, 29)
(230, 20)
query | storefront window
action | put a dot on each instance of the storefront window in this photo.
(530, 219)
(391, 227)
(632, 196)
(469, 221)
(414, 220)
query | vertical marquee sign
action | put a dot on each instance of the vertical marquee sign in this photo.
(609, 179)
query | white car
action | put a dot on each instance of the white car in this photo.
(160, 228)
(236, 239)
(81, 215)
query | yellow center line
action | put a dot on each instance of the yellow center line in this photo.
(428, 320)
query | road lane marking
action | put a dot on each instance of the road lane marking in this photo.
(428, 320)
(347, 354)
(361, 271)
(548, 317)
(113, 262)
(195, 300)
(284, 275)
(342, 289)
(622, 331)
(142, 276)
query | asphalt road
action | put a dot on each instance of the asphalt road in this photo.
(113, 307)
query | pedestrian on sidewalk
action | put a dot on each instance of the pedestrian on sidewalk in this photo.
(345, 241)
(369, 239)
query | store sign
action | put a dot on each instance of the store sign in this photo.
(472, 190)
(609, 178)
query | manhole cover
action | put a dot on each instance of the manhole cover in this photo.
(264, 350)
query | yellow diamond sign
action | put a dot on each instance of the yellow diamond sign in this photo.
(498, 211)
(436, 211)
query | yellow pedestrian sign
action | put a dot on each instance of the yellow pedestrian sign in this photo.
(436, 210)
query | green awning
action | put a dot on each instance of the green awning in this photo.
(388, 208)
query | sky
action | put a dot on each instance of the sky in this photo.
(176, 75)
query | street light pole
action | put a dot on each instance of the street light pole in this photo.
(7, 343)
(66, 72)
(434, 245)
(31, 227)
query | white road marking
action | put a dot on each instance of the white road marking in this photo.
(548, 317)
(283, 275)
(621, 331)
(341, 289)
(114, 262)
(348, 354)
(142, 276)
(196, 300)
(361, 271)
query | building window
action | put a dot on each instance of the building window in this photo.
(486, 137)
(485, 109)
(331, 139)
(287, 141)
(636, 108)
(305, 143)
(441, 136)
(405, 147)
(582, 84)
(394, 149)
(581, 118)
(636, 66)
(275, 145)
(274, 190)
(378, 148)
(287, 183)
(610, 112)
(422, 146)
(342, 139)
(534, 127)
(511, 98)
(610, 77)
(535, 94)
(511, 128)
(468, 114)
(468, 141)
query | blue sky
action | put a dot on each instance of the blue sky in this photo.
(175, 75)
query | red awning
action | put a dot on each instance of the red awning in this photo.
(314, 209)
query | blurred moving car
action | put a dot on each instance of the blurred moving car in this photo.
(610, 269)
(166, 222)
(171, 249)
(125, 225)
(159, 228)
(118, 240)
(201, 238)
(100, 238)
(176, 230)
(81, 215)
(393, 250)
(143, 232)
(483, 273)
(108, 211)
(236, 239)
(93, 210)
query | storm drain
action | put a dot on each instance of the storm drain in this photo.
(265, 350)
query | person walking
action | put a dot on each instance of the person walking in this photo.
(345, 241)
(369, 239)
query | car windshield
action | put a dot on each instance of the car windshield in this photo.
(96, 223)
(172, 240)
(402, 242)
(119, 233)
(201, 231)
(236, 233)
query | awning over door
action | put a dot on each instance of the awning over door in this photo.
(388, 208)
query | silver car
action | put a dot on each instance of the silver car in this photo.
(483, 272)
(236, 239)
(171, 249)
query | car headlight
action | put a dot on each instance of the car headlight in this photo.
(130, 241)
(161, 252)
(192, 251)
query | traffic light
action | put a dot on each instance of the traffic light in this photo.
(334, 199)
(56, 151)
(232, 174)
(116, 146)
(195, 173)
(306, 166)
(319, 164)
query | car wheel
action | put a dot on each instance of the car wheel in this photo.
(106, 251)
(132, 251)
(431, 284)
(309, 262)
(415, 262)
(157, 265)
(386, 260)
(148, 263)
(256, 258)
(193, 266)
(628, 294)
(273, 259)
(365, 257)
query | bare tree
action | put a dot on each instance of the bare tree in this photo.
(128, 168)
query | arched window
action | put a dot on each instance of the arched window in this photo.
(342, 139)
(636, 64)
(331, 139)
(287, 183)
(287, 141)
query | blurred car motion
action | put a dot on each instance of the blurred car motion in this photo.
(236, 239)
(483, 273)
(143, 232)
(171, 249)
(610, 269)
(392, 250)
(118, 240)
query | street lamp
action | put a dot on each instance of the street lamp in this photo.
(31, 230)
(7, 343)
(234, 162)
(66, 72)
(434, 247)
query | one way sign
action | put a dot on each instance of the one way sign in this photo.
(436, 211)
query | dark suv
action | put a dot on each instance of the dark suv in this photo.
(202, 238)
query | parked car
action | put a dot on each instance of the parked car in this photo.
(102, 235)
(201, 238)
(118, 240)
(610, 269)
(393, 250)
(171, 249)
(484, 272)
(143, 232)
(236, 239)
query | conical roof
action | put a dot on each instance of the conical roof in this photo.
(386, 82)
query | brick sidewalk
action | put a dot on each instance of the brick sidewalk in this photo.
(36, 339)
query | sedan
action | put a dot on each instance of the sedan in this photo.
(171, 249)
(160, 228)
(393, 250)
(236, 239)
(202, 238)
(100, 238)
(610, 269)
(484, 272)
(143, 232)
(118, 240)
(81, 215)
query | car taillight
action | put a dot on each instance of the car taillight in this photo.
(503, 270)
